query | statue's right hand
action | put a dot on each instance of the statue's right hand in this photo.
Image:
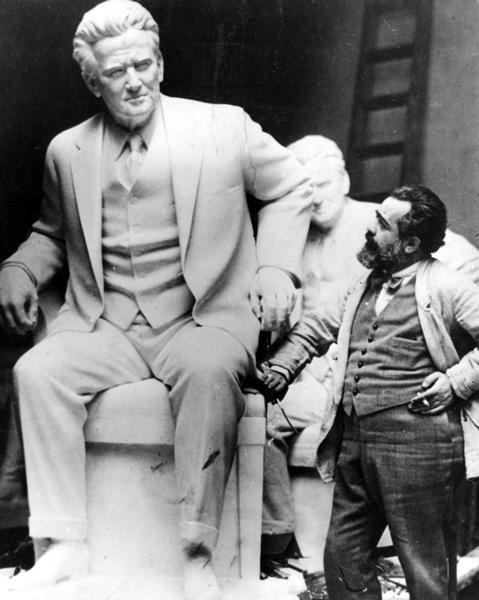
(18, 301)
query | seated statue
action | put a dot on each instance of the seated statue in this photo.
(145, 206)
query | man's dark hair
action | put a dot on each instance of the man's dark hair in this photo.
(427, 218)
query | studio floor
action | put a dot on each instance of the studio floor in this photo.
(148, 586)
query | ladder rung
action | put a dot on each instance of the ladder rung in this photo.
(391, 53)
(382, 7)
(386, 101)
(379, 150)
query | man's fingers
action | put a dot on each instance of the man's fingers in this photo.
(430, 392)
(430, 379)
(274, 381)
(429, 404)
(437, 410)
(434, 410)
(278, 384)
(436, 403)
(438, 406)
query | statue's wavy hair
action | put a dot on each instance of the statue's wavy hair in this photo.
(109, 19)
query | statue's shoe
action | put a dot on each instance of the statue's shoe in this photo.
(199, 581)
(63, 560)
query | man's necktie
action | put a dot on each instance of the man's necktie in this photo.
(134, 158)
(386, 288)
(391, 283)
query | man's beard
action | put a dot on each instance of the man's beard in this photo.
(382, 260)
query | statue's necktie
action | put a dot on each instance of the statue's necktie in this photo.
(134, 158)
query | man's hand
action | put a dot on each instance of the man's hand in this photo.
(274, 385)
(437, 397)
(18, 301)
(272, 298)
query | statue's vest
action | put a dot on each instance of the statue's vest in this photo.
(141, 253)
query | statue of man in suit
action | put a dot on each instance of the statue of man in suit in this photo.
(145, 205)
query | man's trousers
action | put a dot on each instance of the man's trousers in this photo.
(203, 369)
(399, 469)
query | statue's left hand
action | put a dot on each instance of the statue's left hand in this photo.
(272, 298)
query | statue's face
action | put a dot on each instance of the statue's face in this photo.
(330, 186)
(128, 77)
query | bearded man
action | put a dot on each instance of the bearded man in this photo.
(407, 364)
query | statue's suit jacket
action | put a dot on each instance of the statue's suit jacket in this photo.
(217, 155)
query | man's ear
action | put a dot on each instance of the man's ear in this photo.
(92, 84)
(412, 244)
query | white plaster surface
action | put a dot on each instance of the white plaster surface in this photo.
(150, 586)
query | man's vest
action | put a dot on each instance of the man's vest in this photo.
(141, 253)
(388, 358)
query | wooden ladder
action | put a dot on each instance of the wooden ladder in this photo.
(385, 143)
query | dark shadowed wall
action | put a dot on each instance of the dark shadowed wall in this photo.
(451, 145)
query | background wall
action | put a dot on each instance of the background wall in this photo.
(451, 146)
(341, 28)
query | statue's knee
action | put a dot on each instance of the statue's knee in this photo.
(33, 366)
(213, 355)
(206, 370)
(26, 368)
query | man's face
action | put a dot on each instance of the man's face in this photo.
(384, 249)
(127, 77)
(330, 185)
